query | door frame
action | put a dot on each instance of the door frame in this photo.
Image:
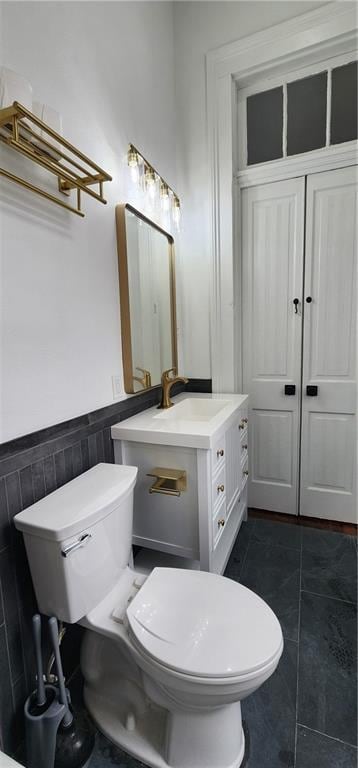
(320, 34)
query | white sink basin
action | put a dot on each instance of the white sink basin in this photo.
(193, 409)
(195, 421)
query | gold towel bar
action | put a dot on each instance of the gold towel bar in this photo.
(38, 191)
(17, 132)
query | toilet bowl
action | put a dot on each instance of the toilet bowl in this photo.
(166, 658)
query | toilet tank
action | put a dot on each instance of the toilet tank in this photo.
(78, 540)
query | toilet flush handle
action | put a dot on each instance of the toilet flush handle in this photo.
(81, 542)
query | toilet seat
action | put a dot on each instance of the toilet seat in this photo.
(203, 625)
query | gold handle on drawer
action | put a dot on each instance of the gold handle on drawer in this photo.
(246, 472)
(221, 522)
(221, 488)
(220, 453)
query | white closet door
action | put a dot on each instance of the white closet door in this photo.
(272, 247)
(328, 463)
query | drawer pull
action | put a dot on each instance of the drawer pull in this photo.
(220, 453)
(221, 522)
(245, 447)
(221, 488)
(243, 423)
(246, 472)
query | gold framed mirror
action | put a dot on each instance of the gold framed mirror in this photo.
(146, 270)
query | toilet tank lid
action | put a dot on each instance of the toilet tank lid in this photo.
(82, 502)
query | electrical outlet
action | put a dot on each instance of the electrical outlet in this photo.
(117, 387)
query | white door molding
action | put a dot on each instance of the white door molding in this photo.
(327, 31)
(318, 161)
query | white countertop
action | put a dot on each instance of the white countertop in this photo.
(168, 427)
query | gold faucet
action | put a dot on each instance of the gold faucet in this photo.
(145, 380)
(167, 384)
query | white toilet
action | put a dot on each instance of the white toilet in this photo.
(166, 658)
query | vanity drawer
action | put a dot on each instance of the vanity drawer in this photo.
(218, 454)
(219, 522)
(218, 489)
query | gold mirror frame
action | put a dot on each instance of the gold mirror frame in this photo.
(124, 294)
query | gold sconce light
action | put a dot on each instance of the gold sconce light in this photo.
(150, 180)
(164, 196)
(133, 162)
(168, 198)
(176, 210)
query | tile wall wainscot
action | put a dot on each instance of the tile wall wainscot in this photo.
(31, 467)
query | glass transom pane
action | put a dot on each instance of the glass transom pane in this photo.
(306, 114)
(264, 126)
(344, 103)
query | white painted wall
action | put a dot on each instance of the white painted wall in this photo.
(109, 69)
(200, 27)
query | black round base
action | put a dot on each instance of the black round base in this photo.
(74, 745)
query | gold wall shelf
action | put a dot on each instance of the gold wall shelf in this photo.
(170, 482)
(20, 130)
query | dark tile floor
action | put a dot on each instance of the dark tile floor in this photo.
(305, 715)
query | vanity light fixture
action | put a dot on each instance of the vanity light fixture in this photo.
(168, 198)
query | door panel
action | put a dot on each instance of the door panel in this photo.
(330, 274)
(330, 437)
(328, 464)
(273, 465)
(272, 246)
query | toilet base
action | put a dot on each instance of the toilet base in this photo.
(144, 736)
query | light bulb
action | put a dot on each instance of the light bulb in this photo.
(164, 196)
(134, 170)
(132, 157)
(133, 162)
(176, 211)
(150, 180)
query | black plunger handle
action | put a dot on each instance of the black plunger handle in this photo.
(53, 628)
(36, 628)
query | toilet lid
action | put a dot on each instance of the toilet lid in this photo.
(202, 624)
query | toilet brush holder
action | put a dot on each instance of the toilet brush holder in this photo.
(41, 725)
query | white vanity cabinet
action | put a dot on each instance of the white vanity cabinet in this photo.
(200, 524)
